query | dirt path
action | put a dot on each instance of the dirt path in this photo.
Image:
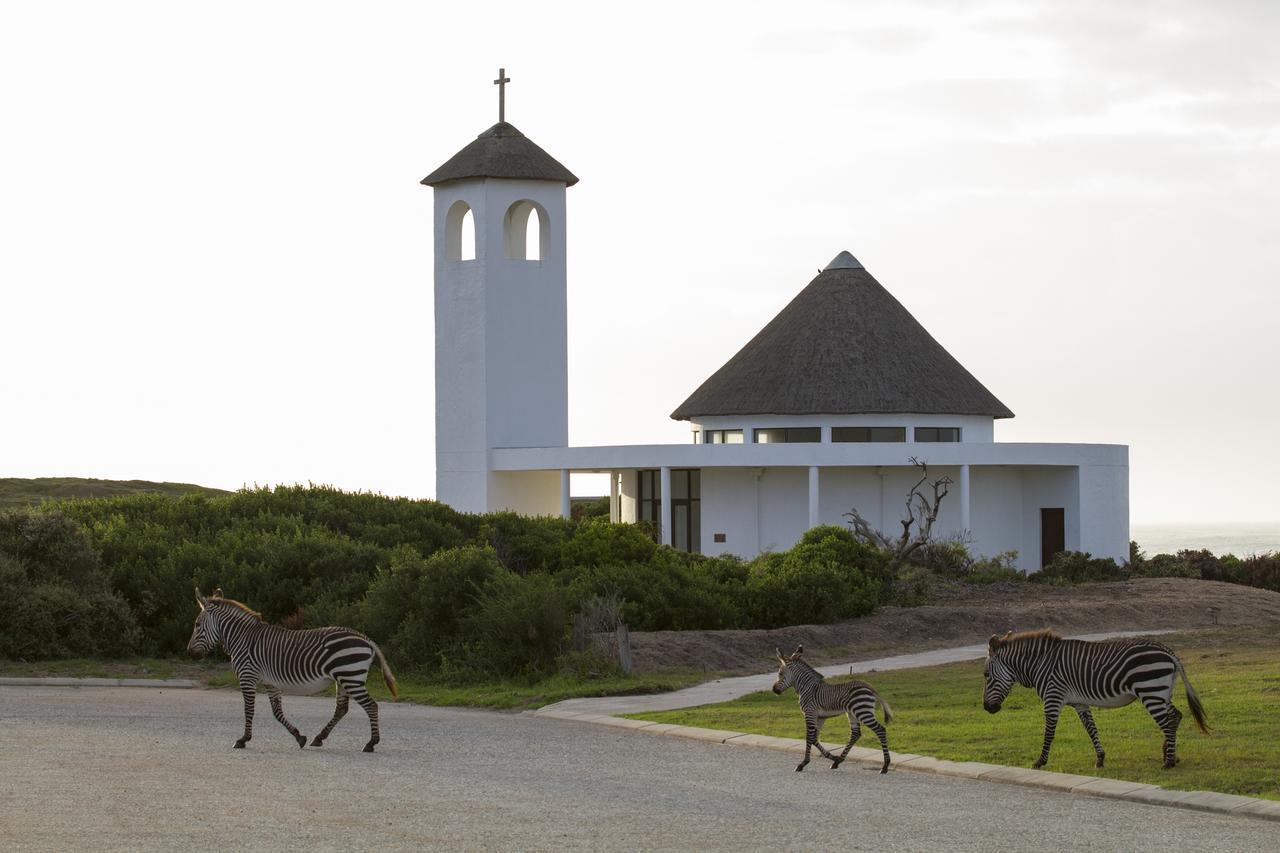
(969, 614)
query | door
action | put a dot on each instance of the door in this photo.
(1053, 533)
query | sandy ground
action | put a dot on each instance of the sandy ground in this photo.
(962, 615)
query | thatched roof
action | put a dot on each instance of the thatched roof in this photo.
(843, 346)
(501, 152)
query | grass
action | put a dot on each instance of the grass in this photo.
(938, 712)
(512, 695)
(19, 491)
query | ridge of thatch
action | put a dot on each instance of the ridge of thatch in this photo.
(843, 346)
(502, 151)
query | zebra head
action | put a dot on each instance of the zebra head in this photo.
(786, 673)
(205, 636)
(998, 676)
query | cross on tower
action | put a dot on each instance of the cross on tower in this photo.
(501, 83)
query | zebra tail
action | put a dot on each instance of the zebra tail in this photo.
(1197, 710)
(888, 712)
(386, 671)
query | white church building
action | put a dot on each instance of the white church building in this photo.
(819, 413)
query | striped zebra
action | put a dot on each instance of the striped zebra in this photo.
(1106, 674)
(287, 660)
(820, 700)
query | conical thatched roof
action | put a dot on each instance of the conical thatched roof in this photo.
(501, 152)
(843, 346)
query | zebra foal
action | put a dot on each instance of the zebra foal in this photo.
(287, 660)
(1082, 674)
(820, 700)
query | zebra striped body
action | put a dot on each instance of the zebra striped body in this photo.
(1107, 674)
(290, 661)
(820, 701)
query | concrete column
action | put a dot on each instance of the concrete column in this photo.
(826, 435)
(615, 508)
(665, 486)
(964, 498)
(564, 492)
(814, 515)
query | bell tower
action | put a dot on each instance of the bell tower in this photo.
(500, 318)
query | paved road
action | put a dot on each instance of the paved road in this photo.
(728, 689)
(112, 768)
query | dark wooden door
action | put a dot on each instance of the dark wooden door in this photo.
(1053, 533)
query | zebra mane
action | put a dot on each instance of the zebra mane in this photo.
(797, 662)
(1043, 633)
(231, 601)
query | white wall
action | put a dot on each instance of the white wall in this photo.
(729, 506)
(1047, 488)
(501, 339)
(1104, 511)
(995, 510)
(525, 492)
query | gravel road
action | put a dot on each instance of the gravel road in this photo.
(114, 768)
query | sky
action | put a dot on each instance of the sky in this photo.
(216, 258)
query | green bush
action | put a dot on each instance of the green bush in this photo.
(416, 607)
(1079, 567)
(519, 626)
(58, 603)
(668, 593)
(827, 576)
(524, 544)
(1001, 567)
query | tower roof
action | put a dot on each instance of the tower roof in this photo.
(502, 151)
(843, 346)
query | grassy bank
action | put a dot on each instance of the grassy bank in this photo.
(938, 712)
(507, 695)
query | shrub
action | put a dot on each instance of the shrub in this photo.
(525, 544)
(668, 593)
(1079, 567)
(948, 558)
(827, 576)
(415, 607)
(1001, 567)
(519, 626)
(57, 601)
(1163, 566)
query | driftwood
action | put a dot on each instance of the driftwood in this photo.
(922, 512)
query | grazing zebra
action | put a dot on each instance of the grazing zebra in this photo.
(296, 661)
(1106, 674)
(820, 700)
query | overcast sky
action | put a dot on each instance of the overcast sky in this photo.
(215, 257)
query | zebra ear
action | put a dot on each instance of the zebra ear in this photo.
(200, 599)
(777, 651)
(217, 592)
(799, 651)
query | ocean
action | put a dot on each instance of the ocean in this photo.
(1242, 540)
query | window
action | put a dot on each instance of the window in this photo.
(525, 240)
(788, 435)
(649, 498)
(868, 433)
(722, 436)
(460, 233)
(937, 434)
(697, 437)
(686, 506)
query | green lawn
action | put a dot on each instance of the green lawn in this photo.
(938, 712)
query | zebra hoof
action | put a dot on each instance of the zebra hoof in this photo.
(799, 768)
(884, 770)
(835, 765)
(1037, 765)
(1169, 765)
(239, 744)
(317, 741)
(1098, 763)
(302, 741)
(368, 747)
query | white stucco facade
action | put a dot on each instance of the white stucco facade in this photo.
(502, 424)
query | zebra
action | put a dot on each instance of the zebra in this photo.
(1082, 674)
(284, 659)
(820, 700)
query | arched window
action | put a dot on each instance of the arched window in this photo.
(460, 233)
(524, 239)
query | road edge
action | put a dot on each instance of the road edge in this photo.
(1094, 786)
